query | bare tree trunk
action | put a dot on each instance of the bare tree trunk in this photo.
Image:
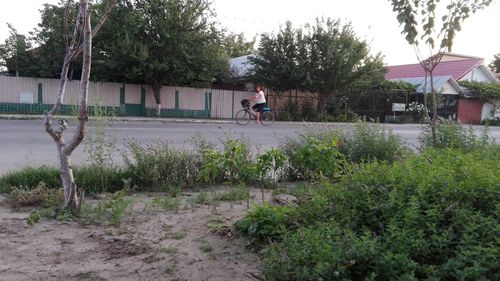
(71, 199)
(434, 111)
(322, 102)
(157, 94)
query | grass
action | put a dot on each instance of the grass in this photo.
(179, 235)
(170, 250)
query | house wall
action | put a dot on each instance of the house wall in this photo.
(448, 89)
(469, 111)
(478, 74)
(489, 108)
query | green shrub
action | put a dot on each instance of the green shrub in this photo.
(264, 224)
(30, 177)
(290, 112)
(234, 163)
(159, 164)
(367, 142)
(96, 179)
(450, 134)
(269, 165)
(237, 161)
(110, 212)
(433, 216)
(314, 155)
(309, 110)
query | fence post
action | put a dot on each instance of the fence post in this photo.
(232, 107)
(143, 101)
(176, 110)
(122, 99)
(40, 93)
(210, 104)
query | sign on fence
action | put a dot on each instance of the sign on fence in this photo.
(26, 97)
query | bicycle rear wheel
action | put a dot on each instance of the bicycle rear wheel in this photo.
(243, 117)
(267, 118)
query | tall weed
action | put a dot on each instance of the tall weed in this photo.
(160, 165)
(368, 142)
(450, 134)
(314, 155)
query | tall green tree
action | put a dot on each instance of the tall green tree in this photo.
(160, 42)
(495, 64)
(431, 25)
(325, 58)
(337, 60)
(14, 55)
(277, 65)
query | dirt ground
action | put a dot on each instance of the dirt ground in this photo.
(149, 244)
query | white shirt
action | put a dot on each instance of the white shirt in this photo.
(261, 98)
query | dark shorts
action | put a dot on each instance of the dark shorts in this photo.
(259, 107)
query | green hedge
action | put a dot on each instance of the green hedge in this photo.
(430, 217)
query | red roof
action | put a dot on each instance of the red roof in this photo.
(456, 69)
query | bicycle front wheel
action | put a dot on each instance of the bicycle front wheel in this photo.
(267, 118)
(243, 117)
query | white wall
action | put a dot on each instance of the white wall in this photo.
(488, 107)
(479, 74)
(448, 89)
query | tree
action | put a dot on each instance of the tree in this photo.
(495, 64)
(337, 60)
(236, 46)
(419, 20)
(164, 42)
(73, 48)
(326, 59)
(14, 53)
(277, 64)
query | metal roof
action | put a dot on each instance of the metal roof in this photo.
(240, 66)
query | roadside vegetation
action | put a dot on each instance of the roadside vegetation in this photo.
(361, 204)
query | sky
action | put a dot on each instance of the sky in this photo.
(372, 20)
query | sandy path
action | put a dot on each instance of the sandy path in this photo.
(150, 244)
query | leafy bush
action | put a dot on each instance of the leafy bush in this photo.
(309, 110)
(110, 212)
(313, 155)
(433, 216)
(234, 163)
(492, 121)
(264, 224)
(450, 134)
(159, 164)
(290, 112)
(367, 142)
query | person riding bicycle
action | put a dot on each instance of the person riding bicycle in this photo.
(260, 102)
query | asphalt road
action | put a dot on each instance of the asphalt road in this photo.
(24, 142)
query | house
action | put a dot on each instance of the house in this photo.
(240, 70)
(452, 69)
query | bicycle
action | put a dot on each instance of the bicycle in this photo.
(244, 116)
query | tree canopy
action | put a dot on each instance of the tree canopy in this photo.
(14, 55)
(495, 64)
(325, 58)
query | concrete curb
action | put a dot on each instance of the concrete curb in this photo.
(119, 119)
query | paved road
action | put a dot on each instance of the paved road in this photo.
(24, 142)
